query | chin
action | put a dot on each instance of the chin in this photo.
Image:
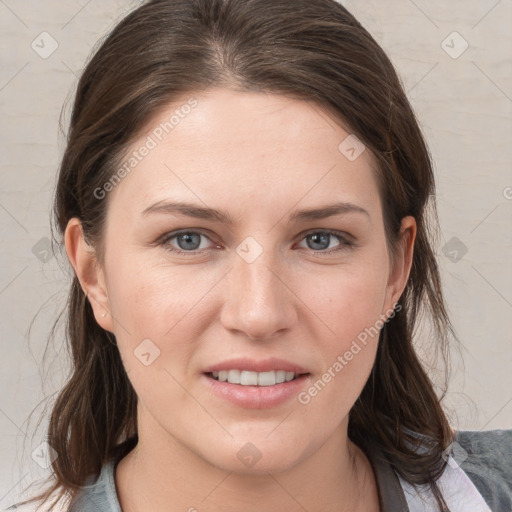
(257, 457)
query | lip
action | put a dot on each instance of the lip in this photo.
(264, 365)
(257, 397)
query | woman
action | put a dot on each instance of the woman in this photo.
(244, 199)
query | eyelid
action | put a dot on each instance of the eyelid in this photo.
(335, 232)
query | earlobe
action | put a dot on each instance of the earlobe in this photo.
(84, 261)
(399, 273)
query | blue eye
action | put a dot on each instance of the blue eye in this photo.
(322, 239)
(190, 242)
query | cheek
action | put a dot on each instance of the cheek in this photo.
(149, 299)
(348, 301)
(351, 306)
(156, 326)
(161, 313)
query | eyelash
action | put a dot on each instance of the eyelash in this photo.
(345, 243)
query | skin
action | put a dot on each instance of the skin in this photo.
(258, 157)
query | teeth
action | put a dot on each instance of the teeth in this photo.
(266, 378)
(247, 378)
(234, 376)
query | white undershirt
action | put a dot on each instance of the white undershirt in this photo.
(457, 489)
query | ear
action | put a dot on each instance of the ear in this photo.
(400, 268)
(84, 261)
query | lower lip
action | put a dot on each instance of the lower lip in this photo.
(257, 397)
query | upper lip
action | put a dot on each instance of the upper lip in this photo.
(252, 365)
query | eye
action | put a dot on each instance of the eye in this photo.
(188, 242)
(319, 241)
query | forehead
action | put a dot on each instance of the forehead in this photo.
(227, 145)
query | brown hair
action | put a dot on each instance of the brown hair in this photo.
(306, 49)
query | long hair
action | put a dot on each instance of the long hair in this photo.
(304, 49)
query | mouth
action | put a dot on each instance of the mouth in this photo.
(251, 378)
(256, 384)
(256, 390)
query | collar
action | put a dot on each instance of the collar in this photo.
(396, 495)
(391, 493)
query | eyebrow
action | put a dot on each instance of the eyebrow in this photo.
(201, 212)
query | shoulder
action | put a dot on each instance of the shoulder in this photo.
(36, 507)
(486, 457)
(98, 494)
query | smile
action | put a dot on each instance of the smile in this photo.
(249, 378)
(256, 390)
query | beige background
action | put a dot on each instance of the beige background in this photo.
(464, 105)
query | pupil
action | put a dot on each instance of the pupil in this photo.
(322, 239)
(189, 238)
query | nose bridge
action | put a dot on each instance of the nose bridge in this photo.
(258, 279)
(254, 262)
(257, 303)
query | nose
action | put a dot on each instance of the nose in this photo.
(259, 300)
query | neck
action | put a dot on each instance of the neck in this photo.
(161, 474)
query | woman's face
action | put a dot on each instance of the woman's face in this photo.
(283, 266)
